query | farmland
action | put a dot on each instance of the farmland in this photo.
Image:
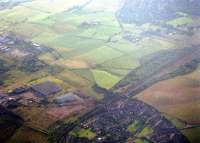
(87, 71)
(177, 98)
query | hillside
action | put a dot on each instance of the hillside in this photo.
(143, 11)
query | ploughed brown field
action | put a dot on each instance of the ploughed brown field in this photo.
(178, 97)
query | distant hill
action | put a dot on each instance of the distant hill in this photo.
(143, 11)
(4, 4)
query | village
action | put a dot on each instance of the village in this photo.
(118, 116)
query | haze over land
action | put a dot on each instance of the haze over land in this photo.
(99, 71)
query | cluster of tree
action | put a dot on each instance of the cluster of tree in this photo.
(32, 64)
(3, 69)
(152, 65)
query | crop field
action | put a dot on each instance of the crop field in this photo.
(83, 133)
(181, 21)
(178, 98)
(80, 38)
(78, 46)
(23, 132)
(175, 96)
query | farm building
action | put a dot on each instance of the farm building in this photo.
(69, 97)
(45, 89)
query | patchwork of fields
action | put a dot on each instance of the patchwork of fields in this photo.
(82, 46)
(82, 38)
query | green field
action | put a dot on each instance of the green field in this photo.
(83, 133)
(180, 21)
(134, 126)
(105, 79)
(85, 41)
